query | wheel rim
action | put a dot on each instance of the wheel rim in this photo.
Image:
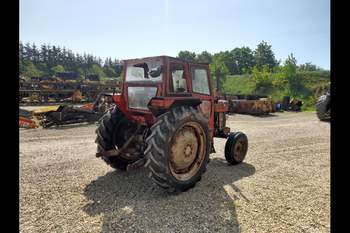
(240, 149)
(187, 151)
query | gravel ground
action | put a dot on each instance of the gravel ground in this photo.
(283, 185)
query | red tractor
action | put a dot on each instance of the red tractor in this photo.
(165, 119)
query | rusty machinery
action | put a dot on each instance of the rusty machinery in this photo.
(55, 90)
(65, 114)
(26, 119)
(165, 119)
(70, 114)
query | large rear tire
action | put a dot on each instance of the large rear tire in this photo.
(107, 138)
(178, 149)
(323, 109)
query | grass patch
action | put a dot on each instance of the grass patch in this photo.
(239, 85)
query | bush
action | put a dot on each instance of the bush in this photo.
(263, 80)
(309, 103)
(294, 80)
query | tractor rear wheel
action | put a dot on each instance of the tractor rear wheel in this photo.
(178, 149)
(236, 148)
(113, 131)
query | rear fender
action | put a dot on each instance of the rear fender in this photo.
(121, 104)
(160, 105)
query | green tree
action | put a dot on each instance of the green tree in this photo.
(187, 55)
(118, 67)
(109, 72)
(21, 51)
(264, 56)
(43, 68)
(294, 80)
(35, 54)
(43, 53)
(229, 61)
(21, 67)
(243, 59)
(80, 72)
(27, 52)
(308, 67)
(57, 69)
(219, 70)
(96, 69)
(30, 70)
(262, 78)
(204, 57)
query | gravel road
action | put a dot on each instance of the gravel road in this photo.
(283, 185)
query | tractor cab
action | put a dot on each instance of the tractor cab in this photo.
(153, 85)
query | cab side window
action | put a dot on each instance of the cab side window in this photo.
(200, 81)
(178, 81)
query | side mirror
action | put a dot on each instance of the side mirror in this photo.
(155, 72)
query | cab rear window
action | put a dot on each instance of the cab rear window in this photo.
(140, 71)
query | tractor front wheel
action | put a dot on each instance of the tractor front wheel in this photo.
(236, 148)
(178, 149)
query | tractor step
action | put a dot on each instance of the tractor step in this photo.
(108, 153)
(135, 165)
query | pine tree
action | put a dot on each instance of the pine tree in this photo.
(21, 51)
(27, 53)
(43, 53)
(35, 54)
(47, 60)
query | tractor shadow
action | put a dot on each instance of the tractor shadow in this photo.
(266, 115)
(130, 202)
(255, 115)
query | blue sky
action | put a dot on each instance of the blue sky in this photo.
(129, 29)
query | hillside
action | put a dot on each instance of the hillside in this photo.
(313, 85)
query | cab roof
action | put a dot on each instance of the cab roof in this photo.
(162, 57)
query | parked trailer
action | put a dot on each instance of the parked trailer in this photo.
(262, 106)
(250, 104)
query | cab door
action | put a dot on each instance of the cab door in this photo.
(202, 89)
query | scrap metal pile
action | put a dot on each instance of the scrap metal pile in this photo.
(26, 119)
(66, 114)
(57, 90)
(289, 104)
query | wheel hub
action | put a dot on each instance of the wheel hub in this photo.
(184, 149)
(240, 150)
(187, 151)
